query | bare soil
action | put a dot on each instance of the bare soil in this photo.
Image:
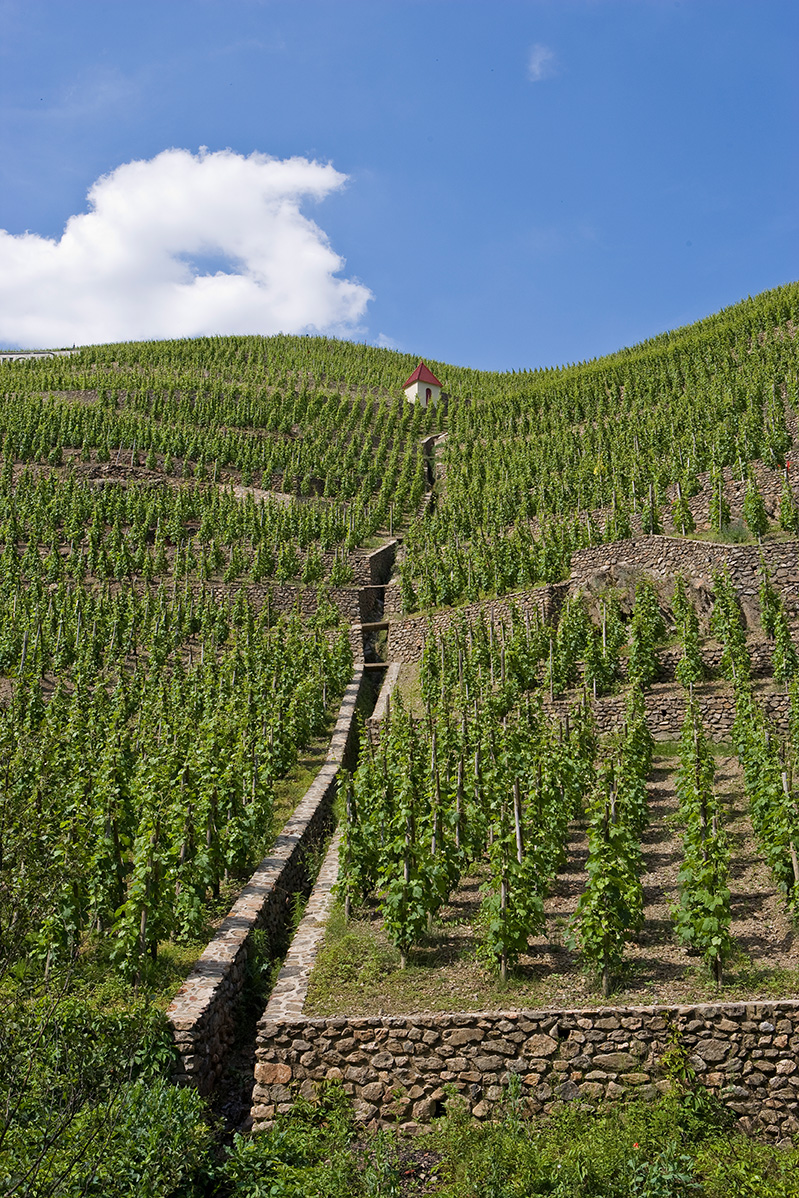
(358, 971)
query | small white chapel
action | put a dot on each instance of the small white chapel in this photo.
(422, 387)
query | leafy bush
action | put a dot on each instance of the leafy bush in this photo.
(672, 1148)
(305, 1153)
(144, 1141)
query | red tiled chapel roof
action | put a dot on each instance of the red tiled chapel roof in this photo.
(422, 375)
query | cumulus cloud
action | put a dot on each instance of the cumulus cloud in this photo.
(179, 246)
(385, 342)
(540, 63)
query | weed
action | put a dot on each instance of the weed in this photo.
(381, 1175)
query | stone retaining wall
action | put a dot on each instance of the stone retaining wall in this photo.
(617, 565)
(663, 558)
(202, 1015)
(392, 600)
(665, 712)
(352, 602)
(399, 1068)
(363, 564)
(665, 708)
(406, 637)
(286, 597)
(359, 602)
(380, 563)
(760, 655)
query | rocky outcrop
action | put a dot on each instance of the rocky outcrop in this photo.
(618, 565)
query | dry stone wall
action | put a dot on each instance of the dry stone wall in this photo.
(760, 655)
(392, 600)
(286, 598)
(665, 712)
(663, 558)
(202, 1016)
(362, 563)
(406, 637)
(399, 1069)
(618, 564)
(380, 564)
(359, 602)
(282, 597)
(665, 708)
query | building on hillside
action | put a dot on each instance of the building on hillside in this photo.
(422, 387)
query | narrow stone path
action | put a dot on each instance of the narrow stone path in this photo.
(288, 994)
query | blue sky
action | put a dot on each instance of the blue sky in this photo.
(527, 183)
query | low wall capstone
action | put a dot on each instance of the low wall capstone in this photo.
(289, 991)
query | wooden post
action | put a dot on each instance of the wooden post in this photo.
(517, 819)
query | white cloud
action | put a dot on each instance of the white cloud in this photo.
(133, 266)
(541, 63)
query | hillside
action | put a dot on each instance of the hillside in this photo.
(195, 538)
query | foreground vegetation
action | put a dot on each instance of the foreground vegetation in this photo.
(678, 1146)
(153, 1140)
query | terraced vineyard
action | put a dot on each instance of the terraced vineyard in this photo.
(474, 819)
(185, 531)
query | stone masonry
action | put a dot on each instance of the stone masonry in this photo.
(288, 994)
(665, 712)
(406, 637)
(617, 565)
(400, 1069)
(202, 1015)
(662, 557)
(665, 707)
